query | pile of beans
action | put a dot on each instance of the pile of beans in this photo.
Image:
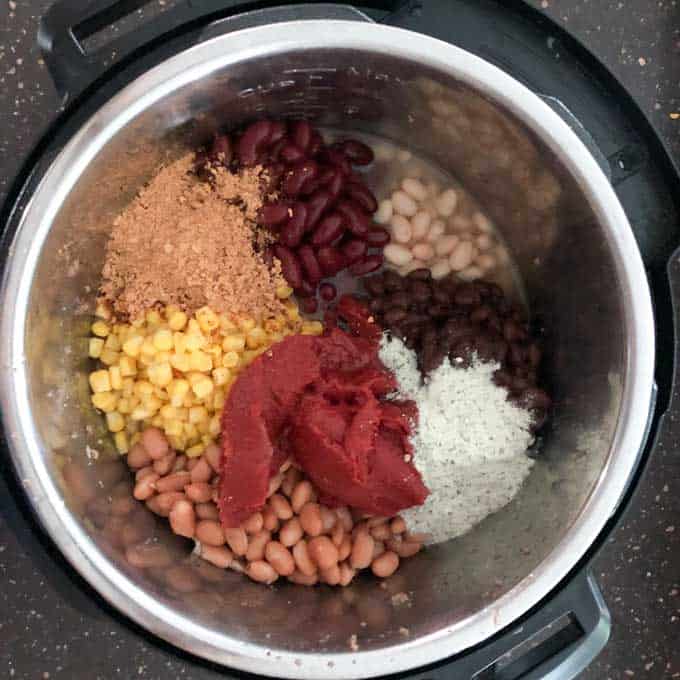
(426, 232)
(462, 320)
(322, 217)
(293, 536)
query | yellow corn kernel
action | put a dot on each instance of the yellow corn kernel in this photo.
(227, 325)
(128, 366)
(234, 343)
(153, 318)
(177, 442)
(161, 393)
(231, 359)
(180, 362)
(112, 343)
(140, 413)
(256, 338)
(128, 387)
(312, 328)
(195, 451)
(195, 341)
(162, 340)
(276, 337)
(168, 412)
(246, 323)
(109, 357)
(95, 347)
(202, 388)
(173, 428)
(100, 329)
(188, 401)
(162, 356)
(115, 378)
(143, 388)
(218, 399)
(182, 413)
(124, 406)
(135, 437)
(214, 350)
(273, 326)
(214, 426)
(115, 422)
(100, 381)
(284, 292)
(160, 374)
(148, 348)
(179, 341)
(207, 319)
(190, 431)
(200, 361)
(221, 376)
(105, 401)
(193, 327)
(177, 390)
(120, 439)
(133, 345)
(177, 320)
(102, 311)
(157, 421)
(292, 310)
(197, 414)
(152, 403)
(144, 360)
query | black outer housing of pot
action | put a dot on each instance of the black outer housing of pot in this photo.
(563, 633)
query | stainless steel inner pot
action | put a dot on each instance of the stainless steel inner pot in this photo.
(576, 253)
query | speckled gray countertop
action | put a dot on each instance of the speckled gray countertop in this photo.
(53, 626)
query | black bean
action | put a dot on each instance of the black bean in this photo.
(392, 281)
(374, 286)
(395, 315)
(423, 274)
(467, 295)
(400, 299)
(534, 355)
(513, 332)
(421, 291)
(441, 296)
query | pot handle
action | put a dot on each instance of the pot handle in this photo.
(66, 27)
(556, 642)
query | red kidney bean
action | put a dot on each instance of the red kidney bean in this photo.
(293, 231)
(331, 260)
(221, 149)
(302, 132)
(290, 265)
(326, 173)
(274, 214)
(253, 141)
(329, 229)
(327, 291)
(317, 204)
(310, 186)
(275, 150)
(291, 154)
(334, 156)
(310, 264)
(361, 195)
(354, 250)
(278, 131)
(275, 172)
(336, 184)
(298, 175)
(369, 264)
(315, 144)
(357, 152)
(305, 289)
(309, 305)
(356, 219)
(378, 237)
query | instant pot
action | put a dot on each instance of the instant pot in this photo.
(556, 153)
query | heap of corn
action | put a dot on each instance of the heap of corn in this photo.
(172, 371)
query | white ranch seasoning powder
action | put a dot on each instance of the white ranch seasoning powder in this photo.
(470, 444)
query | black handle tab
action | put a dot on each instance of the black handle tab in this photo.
(68, 24)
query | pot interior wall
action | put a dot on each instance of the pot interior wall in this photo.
(572, 290)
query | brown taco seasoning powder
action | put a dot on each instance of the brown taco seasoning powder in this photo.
(187, 242)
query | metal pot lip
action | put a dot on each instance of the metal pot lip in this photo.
(192, 65)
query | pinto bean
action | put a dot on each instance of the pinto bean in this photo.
(183, 519)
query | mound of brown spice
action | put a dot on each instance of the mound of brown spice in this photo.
(189, 242)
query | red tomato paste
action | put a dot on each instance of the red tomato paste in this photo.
(324, 401)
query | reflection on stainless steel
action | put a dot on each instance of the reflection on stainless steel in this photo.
(584, 280)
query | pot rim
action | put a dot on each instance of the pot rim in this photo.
(194, 64)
